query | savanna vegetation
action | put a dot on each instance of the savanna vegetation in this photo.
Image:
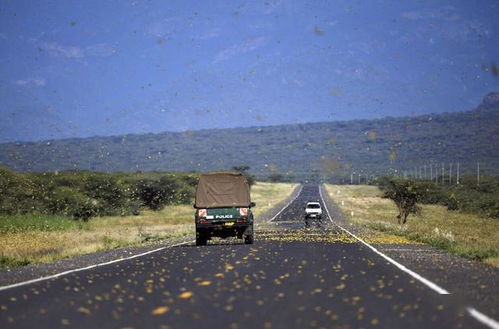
(83, 195)
(405, 194)
(467, 196)
(37, 219)
(470, 235)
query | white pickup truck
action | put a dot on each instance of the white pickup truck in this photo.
(313, 210)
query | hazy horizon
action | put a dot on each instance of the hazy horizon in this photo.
(188, 131)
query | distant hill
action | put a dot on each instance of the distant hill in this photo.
(372, 147)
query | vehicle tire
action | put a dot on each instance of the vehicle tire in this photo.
(248, 238)
(201, 238)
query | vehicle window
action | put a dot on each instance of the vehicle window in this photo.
(313, 206)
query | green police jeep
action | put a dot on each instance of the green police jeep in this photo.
(223, 207)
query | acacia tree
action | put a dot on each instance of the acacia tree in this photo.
(243, 169)
(405, 194)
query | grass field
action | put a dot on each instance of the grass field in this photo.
(28, 239)
(267, 195)
(468, 235)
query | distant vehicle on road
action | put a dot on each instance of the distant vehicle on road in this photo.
(313, 210)
(223, 207)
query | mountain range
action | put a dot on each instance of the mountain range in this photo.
(337, 150)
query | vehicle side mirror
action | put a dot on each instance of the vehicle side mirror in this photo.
(252, 204)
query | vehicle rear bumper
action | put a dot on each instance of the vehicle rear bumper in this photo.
(222, 225)
(224, 231)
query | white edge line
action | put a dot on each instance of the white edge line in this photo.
(290, 202)
(88, 267)
(479, 316)
(484, 319)
(23, 283)
(415, 275)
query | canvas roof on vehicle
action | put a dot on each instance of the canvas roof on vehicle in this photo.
(222, 189)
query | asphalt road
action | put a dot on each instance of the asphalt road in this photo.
(274, 283)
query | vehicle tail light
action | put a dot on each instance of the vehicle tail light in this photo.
(243, 211)
(203, 221)
(241, 220)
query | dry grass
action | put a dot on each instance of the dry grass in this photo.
(267, 195)
(468, 235)
(29, 243)
(98, 234)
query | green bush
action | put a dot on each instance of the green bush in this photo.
(469, 197)
(110, 196)
(243, 169)
(82, 195)
(156, 194)
(406, 194)
(280, 178)
(72, 203)
(17, 193)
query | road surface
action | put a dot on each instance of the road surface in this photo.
(315, 281)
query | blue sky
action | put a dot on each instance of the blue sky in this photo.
(87, 68)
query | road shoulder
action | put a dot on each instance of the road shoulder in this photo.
(475, 283)
(35, 271)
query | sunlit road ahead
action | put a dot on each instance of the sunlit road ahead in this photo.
(316, 281)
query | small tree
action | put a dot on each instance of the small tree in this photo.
(107, 191)
(275, 178)
(156, 194)
(405, 194)
(244, 170)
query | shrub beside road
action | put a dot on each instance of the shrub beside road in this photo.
(469, 235)
(28, 238)
(467, 196)
(82, 195)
